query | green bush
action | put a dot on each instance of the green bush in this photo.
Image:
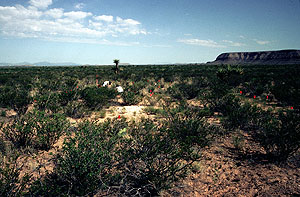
(96, 98)
(130, 98)
(16, 98)
(189, 91)
(35, 129)
(83, 167)
(238, 115)
(10, 183)
(50, 101)
(219, 86)
(280, 135)
(189, 127)
(3, 113)
(287, 93)
(67, 96)
(123, 158)
(175, 93)
(230, 75)
(75, 109)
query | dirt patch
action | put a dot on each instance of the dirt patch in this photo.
(225, 171)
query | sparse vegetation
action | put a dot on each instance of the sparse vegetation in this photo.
(188, 108)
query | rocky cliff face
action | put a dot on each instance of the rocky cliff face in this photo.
(263, 57)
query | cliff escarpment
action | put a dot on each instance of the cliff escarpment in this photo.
(262, 57)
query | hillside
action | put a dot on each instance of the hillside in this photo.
(263, 57)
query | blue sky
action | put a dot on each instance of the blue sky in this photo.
(143, 31)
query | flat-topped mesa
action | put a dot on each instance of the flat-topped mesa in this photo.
(262, 57)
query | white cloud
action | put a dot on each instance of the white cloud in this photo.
(205, 43)
(127, 22)
(56, 24)
(242, 37)
(93, 41)
(105, 18)
(261, 42)
(55, 13)
(40, 3)
(233, 44)
(76, 15)
(188, 34)
(79, 6)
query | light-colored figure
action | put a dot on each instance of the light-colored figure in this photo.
(119, 89)
(106, 83)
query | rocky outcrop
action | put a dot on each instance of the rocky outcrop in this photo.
(262, 57)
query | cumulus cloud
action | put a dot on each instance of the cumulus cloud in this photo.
(105, 18)
(35, 21)
(55, 13)
(76, 15)
(261, 42)
(204, 43)
(40, 3)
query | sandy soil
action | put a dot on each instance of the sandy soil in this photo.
(226, 171)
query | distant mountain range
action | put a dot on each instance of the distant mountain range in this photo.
(40, 64)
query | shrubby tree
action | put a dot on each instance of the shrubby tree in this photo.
(116, 61)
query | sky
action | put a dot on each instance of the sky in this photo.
(143, 31)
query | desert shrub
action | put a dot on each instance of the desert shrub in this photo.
(189, 126)
(230, 75)
(175, 93)
(131, 98)
(189, 91)
(67, 96)
(16, 98)
(238, 115)
(35, 129)
(97, 97)
(50, 101)
(84, 165)
(153, 157)
(10, 183)
(219, 86)
(155, 111)
(71, 83)
(280, 135)
(123, 158)
(75, 109)
(3, 113)
(137, 86)
(238, 141)
(287, 93)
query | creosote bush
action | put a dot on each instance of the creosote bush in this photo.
(11, 184)
(280, 135)
(50, 101)
(131, 159)
(238, 115)
(35, 129)
(96, 98)
(131, 98)
(15, 97)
